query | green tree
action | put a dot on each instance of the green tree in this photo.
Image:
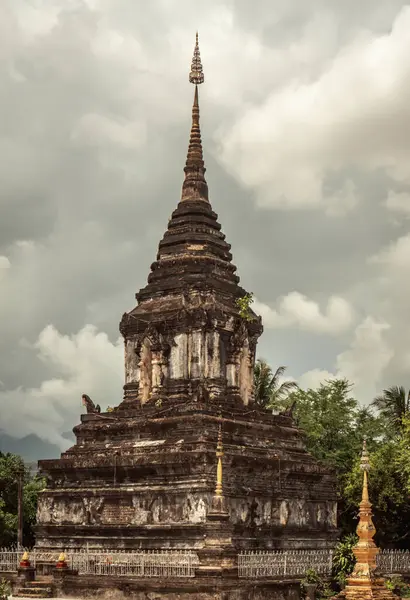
(335, 425)
(403, 452)
(269, 391)
(388, 494)
(393, 404)
(10, 465)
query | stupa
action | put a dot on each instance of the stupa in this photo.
(365, 583)
(142, 476)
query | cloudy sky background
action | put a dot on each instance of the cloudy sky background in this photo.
(306, 124)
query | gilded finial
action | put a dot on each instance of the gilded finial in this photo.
(364, 461)
(196, 75)
(365, 467)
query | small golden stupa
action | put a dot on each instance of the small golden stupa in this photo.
(62, 562)
(364, 583)
(25, 560)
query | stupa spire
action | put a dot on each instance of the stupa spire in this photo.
(365, 582)
(195, 186)
(218, 505)
(365, 550)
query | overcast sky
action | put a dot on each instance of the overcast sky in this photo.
(305, 118)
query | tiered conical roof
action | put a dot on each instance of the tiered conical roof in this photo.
(193, 252)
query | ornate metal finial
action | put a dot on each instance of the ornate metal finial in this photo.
(365, 462)
(219, 455)
(196, 75)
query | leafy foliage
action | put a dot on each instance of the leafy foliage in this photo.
(343, 559)
(393, 405)
(5, 589)
(391, 503)
(398, 586)
(269, 391)
(244, 306)
(323, 589)
(10, 465)
(403, 452)
(335, 424)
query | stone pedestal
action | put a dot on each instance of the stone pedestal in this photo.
(59, 580)
(25, 574)
(218, 555)
(367, 588)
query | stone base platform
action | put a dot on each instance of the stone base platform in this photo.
(373, 589)
(198, 588)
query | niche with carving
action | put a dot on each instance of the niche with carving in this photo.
(145, 370)
(245, 373)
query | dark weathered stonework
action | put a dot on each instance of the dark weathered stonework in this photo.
(200, 588)
(143, 476)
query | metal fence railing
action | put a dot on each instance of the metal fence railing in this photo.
(155, 563)
(394, 561)
(175, 563)
(10, 558)
(286, 563)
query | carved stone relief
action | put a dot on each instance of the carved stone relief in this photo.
(132, 358)
(142, 513)
(93, 508)
(194, 509)
(245, 374)
(284, 512)
(145, 366)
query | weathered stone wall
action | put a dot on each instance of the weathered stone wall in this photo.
(200, 588)
(197, 355)
(168, 508)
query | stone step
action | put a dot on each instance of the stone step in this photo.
(33, 594)
(33, 591)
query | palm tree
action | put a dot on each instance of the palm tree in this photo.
(269, 392)
(393, 405)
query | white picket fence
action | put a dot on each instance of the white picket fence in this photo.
(293, 563)
(285, 563)
(394, 561)
(10, 559)
(155, 563)
(175, 563)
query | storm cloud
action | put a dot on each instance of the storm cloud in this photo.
(305, 120)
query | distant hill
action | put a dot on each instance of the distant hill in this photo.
(32, 448)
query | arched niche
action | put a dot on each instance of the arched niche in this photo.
(245, 373)
(145, 370)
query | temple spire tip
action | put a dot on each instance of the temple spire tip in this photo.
(195, 186)
(196, 74)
